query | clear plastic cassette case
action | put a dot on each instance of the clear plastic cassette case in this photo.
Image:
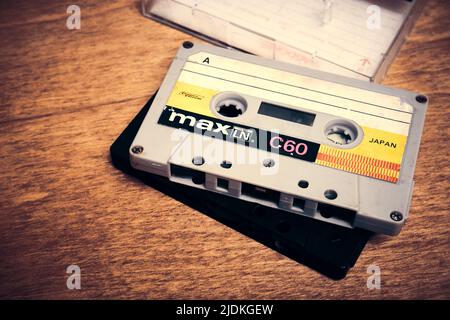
(354, 38)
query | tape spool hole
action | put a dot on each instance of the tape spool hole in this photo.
(229, 104)
(341, 133)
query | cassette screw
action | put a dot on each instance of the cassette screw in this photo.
(268, 163)
(137, 149)
(396, 216)
(421, 98)
(187, 44)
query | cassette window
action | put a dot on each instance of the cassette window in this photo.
(283, 113)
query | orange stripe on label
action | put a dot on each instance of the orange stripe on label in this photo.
(359, 164)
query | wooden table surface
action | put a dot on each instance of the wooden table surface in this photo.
(66, 95)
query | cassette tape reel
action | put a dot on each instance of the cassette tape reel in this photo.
(316, 144)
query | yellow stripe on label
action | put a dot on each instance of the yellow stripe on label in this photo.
(192, 98)
(380, 144)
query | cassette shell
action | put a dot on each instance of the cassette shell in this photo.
(326, 193)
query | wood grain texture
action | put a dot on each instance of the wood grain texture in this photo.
(66, 95)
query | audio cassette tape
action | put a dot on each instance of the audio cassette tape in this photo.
(315, 144)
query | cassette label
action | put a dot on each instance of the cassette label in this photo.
(379, 154)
